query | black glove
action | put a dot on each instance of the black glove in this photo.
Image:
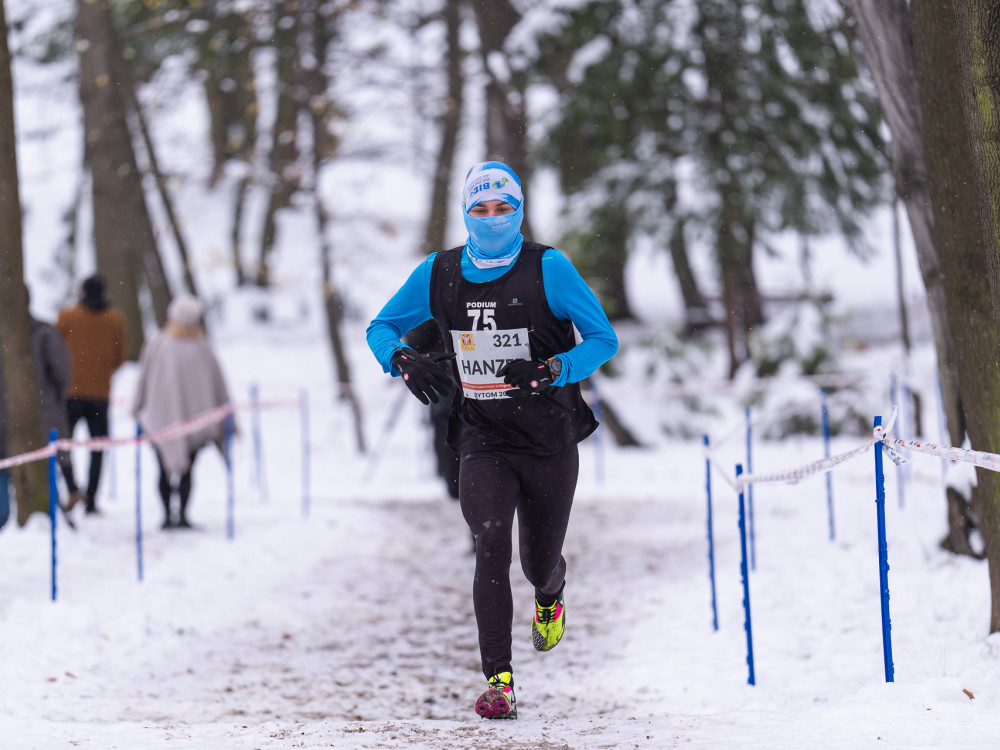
(527, 377)
(424, 374)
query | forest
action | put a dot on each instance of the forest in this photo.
(706, 129)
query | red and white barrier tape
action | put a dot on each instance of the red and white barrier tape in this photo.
(175, 430)
(797, 474)
(989, 461)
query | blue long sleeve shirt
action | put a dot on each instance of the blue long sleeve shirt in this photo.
(566, 292)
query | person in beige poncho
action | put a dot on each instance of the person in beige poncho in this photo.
(179, 378)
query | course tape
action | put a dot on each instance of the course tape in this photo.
(798, 473)
(177, 429)
(989, 461)
(789, 476)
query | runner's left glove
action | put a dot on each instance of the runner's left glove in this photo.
(527, 378)
(428, 376)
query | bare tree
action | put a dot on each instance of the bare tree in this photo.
(124, 242)
(506, 116)
(451, 122)
(888, 38)
(313, 20)
(285, 177)
(977, 25)
(24, 413)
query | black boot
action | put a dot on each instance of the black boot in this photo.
(165, 492)
(184, 490)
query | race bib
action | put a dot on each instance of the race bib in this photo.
(480, 354)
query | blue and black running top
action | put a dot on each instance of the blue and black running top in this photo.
(489, 316)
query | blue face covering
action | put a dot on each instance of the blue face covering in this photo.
(494, 240)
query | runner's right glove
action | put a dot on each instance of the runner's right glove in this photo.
(427, 376)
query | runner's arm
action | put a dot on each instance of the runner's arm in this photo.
(570, 298)
(409, 307)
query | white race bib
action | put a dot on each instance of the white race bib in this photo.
(480, 354)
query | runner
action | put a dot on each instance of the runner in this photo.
(507, 309)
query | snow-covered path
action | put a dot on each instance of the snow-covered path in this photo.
(353, 629)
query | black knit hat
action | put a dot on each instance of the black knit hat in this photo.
(92, 293)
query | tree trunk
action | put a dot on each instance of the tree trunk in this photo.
(977, 23)
(958, 237)
(236, 234)
(451, 122)
(160, 182)
(285, 177)
(122, 230)
(24, 412)
(225, 57)
(317, 87)
(885, 32)
(696, 314)
(506, 118)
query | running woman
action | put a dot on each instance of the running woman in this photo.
(507, 310)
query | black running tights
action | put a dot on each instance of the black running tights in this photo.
(493, 486)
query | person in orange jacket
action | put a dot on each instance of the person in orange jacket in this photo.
(97, 341)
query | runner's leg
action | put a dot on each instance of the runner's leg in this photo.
(489, 493)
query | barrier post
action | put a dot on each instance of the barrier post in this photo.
(745, 576)
(53, 503)
(883, 560)
(304, 417)
(826, 454)
(598, 445)
(138, 498)
(897, 394)
(230, 499)
(255, 431)
(753, 546)
(113, 471)
(711, 542)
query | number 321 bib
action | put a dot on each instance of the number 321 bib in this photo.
(481, 354)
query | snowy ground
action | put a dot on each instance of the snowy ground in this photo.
(351, 626)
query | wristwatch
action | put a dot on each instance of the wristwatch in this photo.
(554, 365)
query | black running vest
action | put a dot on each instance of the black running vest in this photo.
(545, 423)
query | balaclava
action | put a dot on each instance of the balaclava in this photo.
(493, 240)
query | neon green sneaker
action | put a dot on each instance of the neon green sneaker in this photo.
(549, 625)
(498, 702)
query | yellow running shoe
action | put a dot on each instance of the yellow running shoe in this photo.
(498, 702)
(549, 625)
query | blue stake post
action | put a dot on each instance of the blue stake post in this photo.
(711, 542)
(753, 546)
(598, 445)
(138, 497)
(230, 498)
(53, 504)
(255, 430)
(883, 560)
(826, 454)
(304, 416)
(745, 576)
(113, 471)
(896, 401)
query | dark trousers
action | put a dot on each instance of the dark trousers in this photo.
(448, 460)
(96, 415)
(183, 489)
(494, 486)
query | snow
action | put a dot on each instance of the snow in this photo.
(339, 614)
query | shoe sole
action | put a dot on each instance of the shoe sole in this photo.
(493, 705)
